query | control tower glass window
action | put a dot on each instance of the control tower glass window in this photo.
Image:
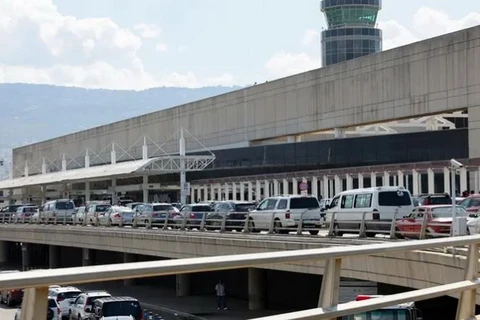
(354, 15)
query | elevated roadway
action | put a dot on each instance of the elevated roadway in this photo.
(416, 269)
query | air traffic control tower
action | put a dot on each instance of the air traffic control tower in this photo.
(351, 30)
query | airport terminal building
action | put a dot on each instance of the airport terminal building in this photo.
(394, 117)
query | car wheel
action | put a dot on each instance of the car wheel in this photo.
(251, 225)
(277, 227)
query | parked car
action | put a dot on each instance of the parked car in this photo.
(10, 209)
(94, 209)
(157, 212)
(53, 311)
(81, 308)
(80, 214)
(380, 204)
(117, 308)
(64, 296)
(62, 210)
(194, 214)
(234, 211)
(439, 221)
(286, 212)
(13, 296)
(432, 199)
(471, 204)
(115, 214)
(24, 213)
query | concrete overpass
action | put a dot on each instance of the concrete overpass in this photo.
(416, 269)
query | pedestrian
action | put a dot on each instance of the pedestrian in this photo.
(221, 297)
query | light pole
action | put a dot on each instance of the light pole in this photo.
(454, 166)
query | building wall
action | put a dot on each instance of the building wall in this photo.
(441, 74)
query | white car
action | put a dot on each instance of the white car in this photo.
(114, 215)
(473, 225)
(81, 308)
(53, 311)
(64, 297)
(286, 212)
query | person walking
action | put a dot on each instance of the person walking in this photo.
(221, 297)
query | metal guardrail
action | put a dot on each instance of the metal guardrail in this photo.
(272, 223)
(36, 282)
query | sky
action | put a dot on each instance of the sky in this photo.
(139, 44)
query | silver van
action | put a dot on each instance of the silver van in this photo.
(62, 210)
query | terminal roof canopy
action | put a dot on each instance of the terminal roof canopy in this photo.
(159, 165)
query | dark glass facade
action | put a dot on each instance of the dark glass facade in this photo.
(331, 154)
(351, 30)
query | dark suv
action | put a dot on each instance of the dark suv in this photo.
(432, 199)
(116, 308)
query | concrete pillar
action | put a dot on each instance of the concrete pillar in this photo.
(44, 194)
(212, 192)
(331, 188)
(401, 179)
(53, 257)
(373, 179)
(420, 180)
(242, 191)
(26, 252)
(338, 185)
(3, 252)
(360, 181)
(285, 187)
(258, 190)
(256, 289)
(431, 181)
(266, 189)
(415, 184)
(114, 191)
(226, 192)
(386, 179)
(463, 180)
(87, 257)
(326, 193)
(349, 182)
(219, 192)
(129, 258)
(145, 190)
(276, 188)
(234, 191)
(446, 181)
(250, 191)
(295, 186)
(183, 285)
(476, 186)
(315, 187)
(87, 192)
(205, 193)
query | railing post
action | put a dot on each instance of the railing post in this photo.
(224, 223)
(362, 226)
(9, 217)
(300, 223)
(84, 222)
(245, 227)
(65, 219)
(150, 219)
(272, 222)
(423, 230)
(55, 218)
(467, 301)
(393, 227)
(3, 217)
(135, 222)
(202, 223)
(23, 219)
(332, 224)
(329, 291)
(109, 224)
(34, 304)
(165, 224)
(120, 224)
(184, 222)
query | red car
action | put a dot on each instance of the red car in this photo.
(471, 204)
(13, 296)
(439, 221)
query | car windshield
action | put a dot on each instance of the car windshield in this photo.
(163, 208)
(244, 207)
(68, 295)
(387, 314)
(439, 200)
(64, 205)
(446, 212)
(91, 300)
(30, 209)
(394, 198)
(304, 203)
(201, 209)
(122, 308)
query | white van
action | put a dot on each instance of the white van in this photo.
(379, 204)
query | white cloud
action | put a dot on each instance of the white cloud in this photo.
(284, 64)
(43, 46)
(311, 37)
(427, 23)
(162, 47)
(148, 31)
